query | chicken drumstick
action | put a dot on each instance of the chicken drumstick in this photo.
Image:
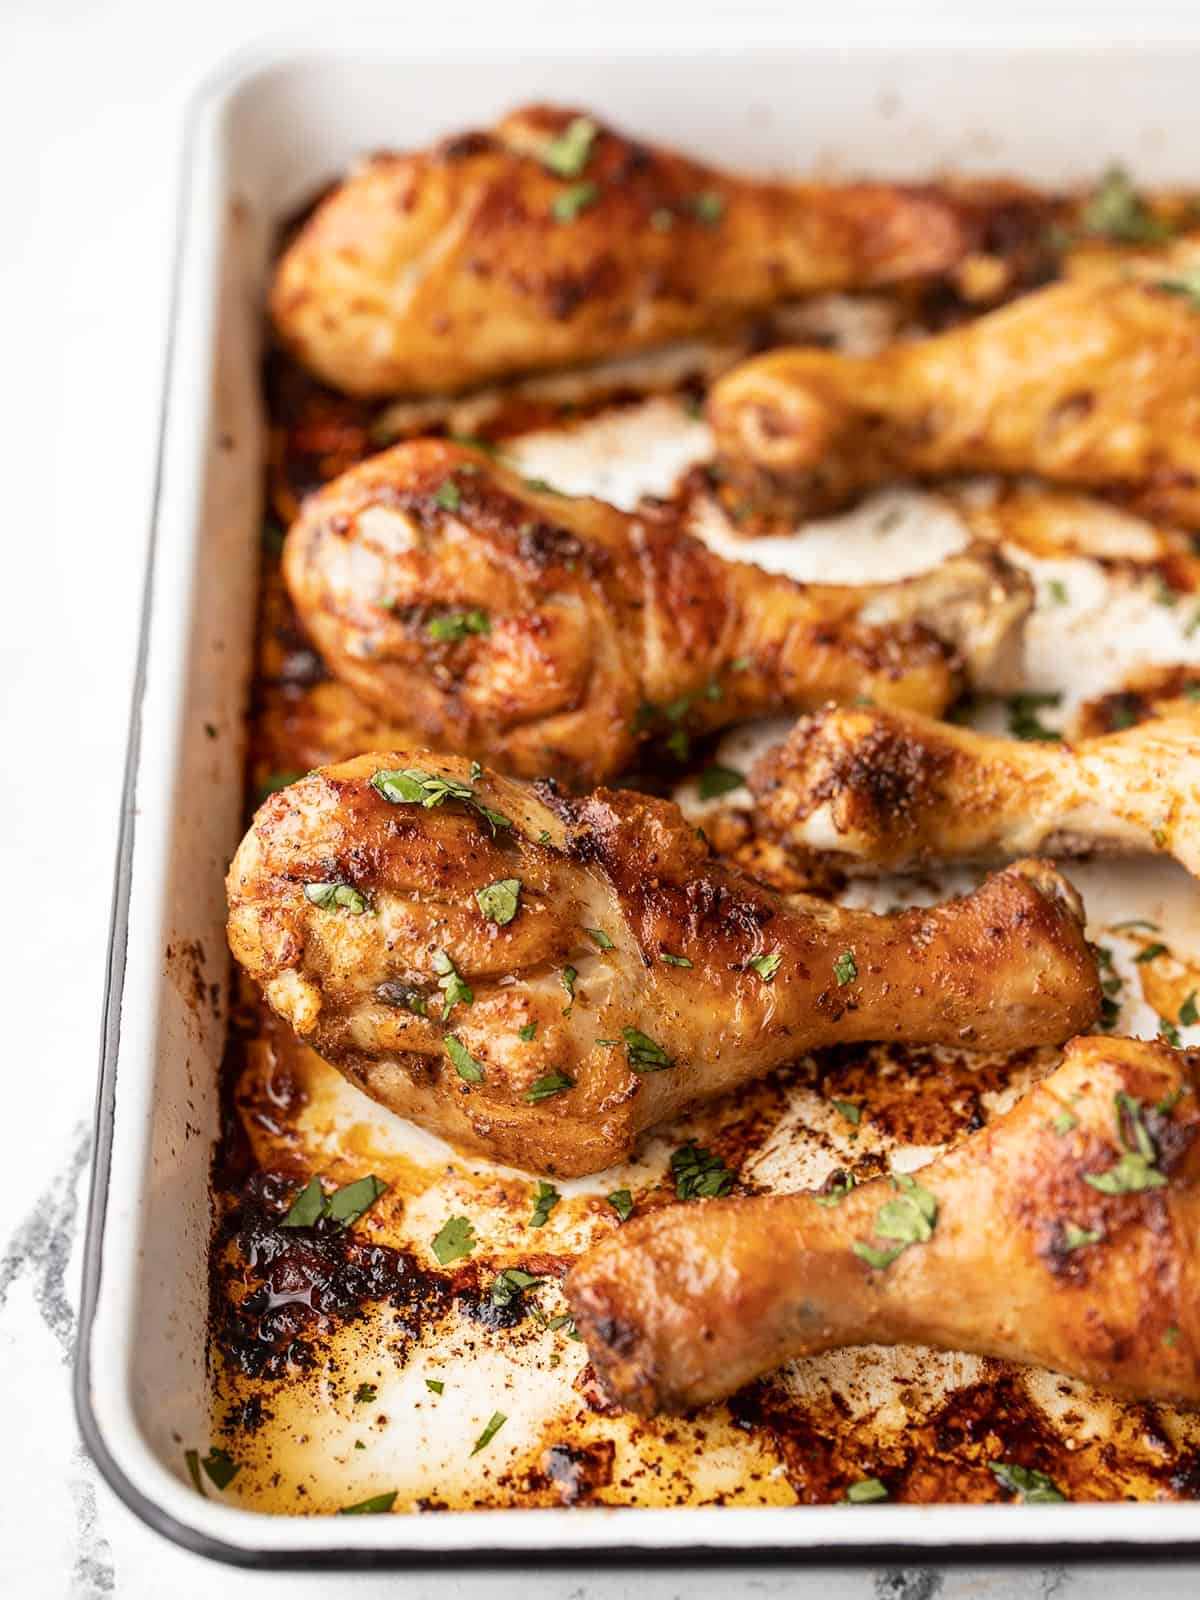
(542, 979)
(552, 241)
(551, 634)
(886, 791)
(1094, 381)
(1064, 1235)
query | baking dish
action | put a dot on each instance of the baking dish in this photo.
(260, 142)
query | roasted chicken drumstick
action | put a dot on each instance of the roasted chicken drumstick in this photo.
(1064, 1235)
(1094, 382)
(551, 634)
(552, 240)
(886, 791)
(542, 979)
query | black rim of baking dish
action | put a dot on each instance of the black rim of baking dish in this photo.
(911, 1553)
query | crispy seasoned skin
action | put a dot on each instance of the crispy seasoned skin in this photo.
(1027, 1259)
(646, 970)
(438, 270)
(551, 634)
(887, 791)
(1093, 382)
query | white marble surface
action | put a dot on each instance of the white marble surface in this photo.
(91, 100)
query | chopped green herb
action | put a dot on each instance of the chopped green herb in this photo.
(622, 1203)
(1159, 835)
(1064, 1122)
(678, 744)
(1135, 1171)
(568, 205)
(1023, 720)
(568, 154)
(1151, 952)
(365, 1393)
(307, 1207)
(569, 975)
(352, 1200)
(527, 1032)
(377, 1503)
(849, 1110)
(450, 981)
(495, 1422)
(540, 486)
(909, 1219)
(1116, 211)
(644, 1055)
(1137, 922)
(699, 1174)
(459, 624)
(545, 1088)
(344, 1205)
(468, 1068)
(449, 496)
(435, 1385)
(545, 1198)
(1074, 1237)
(359, 1445)
(709, 206)
(839, 1186)
(544, 836)
(221, 1467)
(1188, 1015)
(1057, 590)
(476, 772)
(1164, 595)
(1032, 1487)
(601, 938)
(412, 786)
(1171, 1335)
(1168, 1031)
(329, 896)
(717, 780)
(766, 965)
(454, 1240)
(845, 969)
(1187, 285)
(864, 1492)
(513, 1281)
(500, 901)
(673, 961)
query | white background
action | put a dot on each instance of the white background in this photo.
(91, 100)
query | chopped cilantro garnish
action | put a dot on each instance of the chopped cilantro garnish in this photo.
(468, 1068)
(569, 152)
(329, 896)
(495, 1422)
(717, 780)
(699, 1174)
(546, 1088)
(1030, 1486)
(454, 1240)
(766, 965)
(622, 1203)
(500, 901)
(845, 969)
(545, 1198)
(568, 205)
(644, 1055)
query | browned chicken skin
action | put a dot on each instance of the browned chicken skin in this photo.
(1093, 382)
(552, 240)
(887, 791)
(552, 634)
(1064, 1235)
(614, 973)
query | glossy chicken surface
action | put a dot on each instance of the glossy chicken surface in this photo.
(890, 791)
(1064, 1234)
(552, 240)
(553, 634)
(1093, 382)
(542, 979)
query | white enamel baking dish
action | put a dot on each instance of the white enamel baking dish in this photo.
(262, 140)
